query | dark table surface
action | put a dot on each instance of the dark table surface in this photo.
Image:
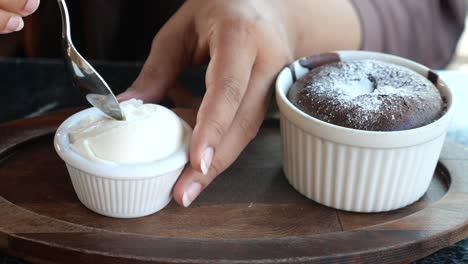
(34, 87)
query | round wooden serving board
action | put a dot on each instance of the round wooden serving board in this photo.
(249, 215)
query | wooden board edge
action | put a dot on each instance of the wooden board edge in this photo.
(455, 235)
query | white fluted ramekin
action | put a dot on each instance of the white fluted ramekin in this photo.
(356, 170)
(121, 190)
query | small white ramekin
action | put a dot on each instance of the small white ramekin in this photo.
(356, 170)
(121, 190)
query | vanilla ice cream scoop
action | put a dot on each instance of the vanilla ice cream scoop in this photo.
(150, 132)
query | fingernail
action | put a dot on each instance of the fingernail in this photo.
(205, 162)
(191, 193)
(31, 6)
(127, 95)
(15, 23)
(121, 97)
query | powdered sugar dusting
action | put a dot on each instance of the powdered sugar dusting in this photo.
(352, 89)
(387, 89)
(359, 84)
(363, 93)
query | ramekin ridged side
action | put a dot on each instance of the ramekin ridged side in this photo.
(123, 198)
(356, 170)
(355, 178)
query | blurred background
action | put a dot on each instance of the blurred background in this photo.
(33, 78)
(94, 27)
(460, 60)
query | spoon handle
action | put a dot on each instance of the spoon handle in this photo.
(65, 20)
(84, 76)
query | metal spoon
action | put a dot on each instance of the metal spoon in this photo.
(84, 76)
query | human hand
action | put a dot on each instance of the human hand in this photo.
(12, 13)
(246, 43)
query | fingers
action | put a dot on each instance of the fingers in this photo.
(243, 129)
(11, 13)
(10, 22)
(19, 7)
(169, 56)
(232, 58)
(188, 186)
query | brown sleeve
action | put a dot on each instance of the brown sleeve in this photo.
(426, 31)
